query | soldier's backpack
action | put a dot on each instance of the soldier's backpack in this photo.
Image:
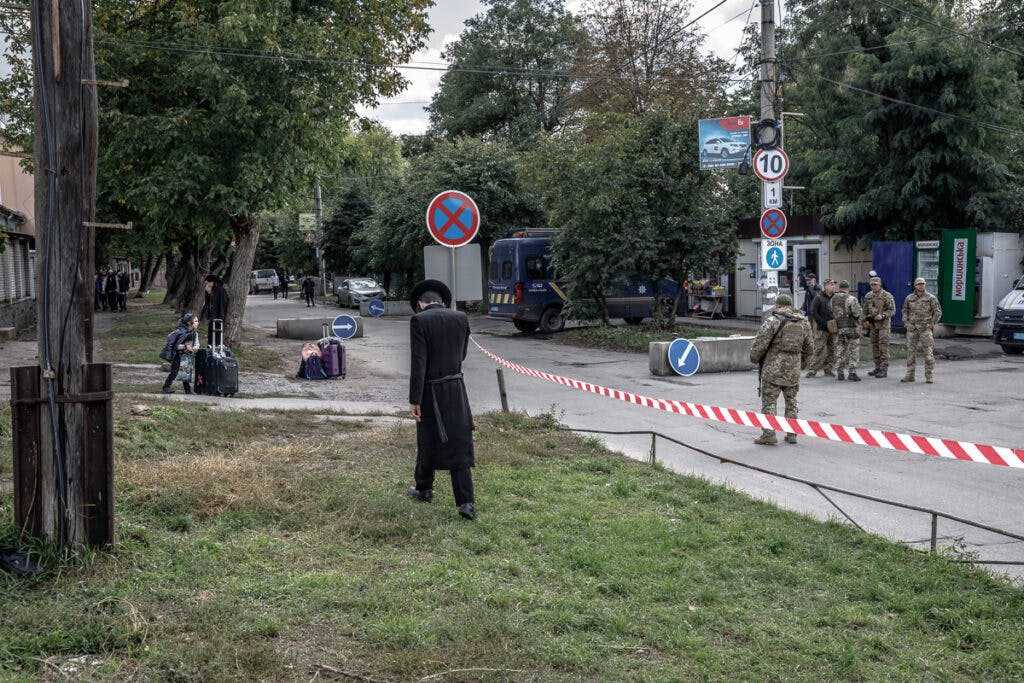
(791, 339)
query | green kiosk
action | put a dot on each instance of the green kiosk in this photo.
(949, 267)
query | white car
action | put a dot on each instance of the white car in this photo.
(721, 147)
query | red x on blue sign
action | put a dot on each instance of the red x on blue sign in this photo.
(773, 223)
(452, 218)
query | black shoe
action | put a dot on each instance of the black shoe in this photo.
(167, 390)
(467, 510)
(422, 496)
(188, 389)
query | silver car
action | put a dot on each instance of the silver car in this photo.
(353, 291)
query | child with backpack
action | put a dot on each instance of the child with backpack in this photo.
(180, 351)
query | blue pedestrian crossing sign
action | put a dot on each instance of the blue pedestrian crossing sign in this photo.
(344, 326)
(375, 308)
(773, 254)
(684, 357)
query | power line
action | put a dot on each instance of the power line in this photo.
(729, 21)
(285, 57)
(688, 25)
(899, 43)
(965, 34)
(937, 112)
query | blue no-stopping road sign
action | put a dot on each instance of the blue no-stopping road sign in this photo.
(375, 308)
(344, 326)
(684, 357)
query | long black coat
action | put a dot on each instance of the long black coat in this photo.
(439, 339)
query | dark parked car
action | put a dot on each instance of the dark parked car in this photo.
(355, 290)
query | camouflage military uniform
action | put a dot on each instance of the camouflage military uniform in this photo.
(879, 303)
(783, 356)
(847, 313)
(921, 312)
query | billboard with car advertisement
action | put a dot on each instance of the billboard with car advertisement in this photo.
(723, 143)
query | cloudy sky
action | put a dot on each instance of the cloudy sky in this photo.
(404, 113)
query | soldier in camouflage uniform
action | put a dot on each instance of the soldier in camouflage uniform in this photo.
(783, 347)
(921, 312)
(846, 311)
(879, 308)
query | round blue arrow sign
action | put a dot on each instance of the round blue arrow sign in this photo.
(684, 357)
(344, 326)
(375, 308)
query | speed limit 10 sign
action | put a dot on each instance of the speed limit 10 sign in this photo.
(770, 164)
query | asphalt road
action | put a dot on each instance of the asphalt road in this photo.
(976, 400)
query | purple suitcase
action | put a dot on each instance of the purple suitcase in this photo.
(333, 353)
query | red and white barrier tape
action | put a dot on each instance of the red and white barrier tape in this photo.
(925, 445)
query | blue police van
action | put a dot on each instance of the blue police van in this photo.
(522, 287)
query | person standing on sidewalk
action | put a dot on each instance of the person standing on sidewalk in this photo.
(439, 340)
(921, 313)
(275, 284)
(824, 339)
(309, 291)
(847, 313)
(811, 290)
(879, 308)
(216, 307)
(782, 348)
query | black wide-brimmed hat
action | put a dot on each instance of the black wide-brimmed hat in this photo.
(430, 286)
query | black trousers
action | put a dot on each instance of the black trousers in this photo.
(175, 366)
(462, 482)
(310, 301)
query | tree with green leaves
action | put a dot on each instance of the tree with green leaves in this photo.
(907, 128)
(645, 54)
(511, 72)
(628, 200)
(487, 171)
(234, 108)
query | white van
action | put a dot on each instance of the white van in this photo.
(1008, 331)
(260, 280)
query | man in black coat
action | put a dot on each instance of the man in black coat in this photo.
(439, 339)
(216, 307)
(819, 313)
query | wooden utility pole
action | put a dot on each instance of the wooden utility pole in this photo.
(75, 507)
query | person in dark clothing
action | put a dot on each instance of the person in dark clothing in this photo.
(811, 290)
(439, 339)
(184, 341)
(99, 299)
(110, 288)
(819, 314)
(216, 307)
(284, 284)
(123, 285)
(309, 291)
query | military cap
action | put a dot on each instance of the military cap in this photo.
(784, 300)
(920, 281)
(844, 284)
(828, 280)
(875, 281)
(810, 276)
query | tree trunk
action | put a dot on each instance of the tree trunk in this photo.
(247, 237)
(170, 273)
(145, 275)
(65, 188)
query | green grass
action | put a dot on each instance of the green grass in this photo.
(630, 337)
(139, 334)
(259, 546)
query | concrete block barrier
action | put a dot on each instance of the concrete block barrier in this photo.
(8, 333)
(717, 354)
(390, 308)
(310, 329)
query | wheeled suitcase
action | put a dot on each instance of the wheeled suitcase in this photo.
(332, 350)
(216, 368)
